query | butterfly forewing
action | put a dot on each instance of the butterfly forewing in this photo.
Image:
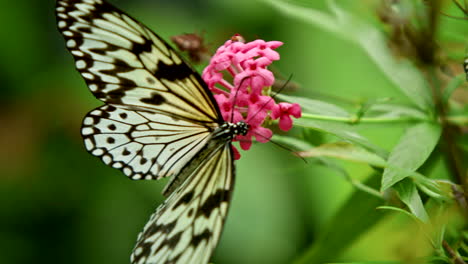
(187, 227)
(143, 144)
(124, 63)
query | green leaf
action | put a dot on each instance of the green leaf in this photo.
(439, 225)
(331, 164)
(440, 190)
(452, 86)
(346, 25)
(315, 106)
(409, 195)
(413, 148)
(392, 208)
(341, 130)
(346, 226)
(346, 151)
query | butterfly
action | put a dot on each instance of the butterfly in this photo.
(159, 120)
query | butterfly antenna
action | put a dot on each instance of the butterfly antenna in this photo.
(281, 146)
(272, 97)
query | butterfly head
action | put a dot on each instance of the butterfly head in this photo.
(233, 129)
(240, 128)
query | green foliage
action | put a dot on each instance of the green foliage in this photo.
(412, 150)
(409, 195)
(433, 124)
(346, 226)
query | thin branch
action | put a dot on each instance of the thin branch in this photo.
(456, 258)
(454, 17)
(460, 7)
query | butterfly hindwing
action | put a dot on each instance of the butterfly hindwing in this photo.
(187, 226)
(143, 144)
(125, 63)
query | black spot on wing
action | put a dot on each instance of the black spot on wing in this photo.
(153, 229)
(110, 108)
(101, 9)
(166, 229)
(138, 48)
(213, 202)
(112, 97)
(173, 241)
(184, 199)
(150, 80)
(125, 152)
(84, 30)
(155, 99)
(119, 66)
(206, 235)
(170, 242)
(172, 72)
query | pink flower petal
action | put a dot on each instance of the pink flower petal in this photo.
(245, 142)
(235, 152)
(263, 135)
(285, 123)
(295, 110)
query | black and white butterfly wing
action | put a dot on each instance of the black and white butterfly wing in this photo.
(143, 144)
(125, 63)
(137, 73)
(187, 226)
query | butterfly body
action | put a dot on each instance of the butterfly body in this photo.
(159, 120)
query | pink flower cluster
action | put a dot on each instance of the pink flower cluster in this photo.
(239, 78)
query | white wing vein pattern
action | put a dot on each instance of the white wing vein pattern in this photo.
(144, 145)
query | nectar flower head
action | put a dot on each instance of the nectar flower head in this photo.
(239, 78)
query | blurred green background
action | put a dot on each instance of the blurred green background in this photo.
(60, 204)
